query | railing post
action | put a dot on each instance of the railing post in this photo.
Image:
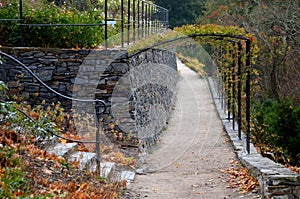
(217, 54)
(138, 21)
(248, 79)
(21, 23)
(152, 18)
(143, 18)
(233, 84)
(122, 23)
(228, 89)
(128, 22)
(156, 24)
(149, 18)
(134, 18)
(167, 18)
(146, 19)
(239, 97)
(105, 24)
(97, 109)
(223, 80)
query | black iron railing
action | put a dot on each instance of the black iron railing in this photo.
(100, 105)
(143, 18)
(232, 81)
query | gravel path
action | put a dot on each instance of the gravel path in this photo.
(187, 160)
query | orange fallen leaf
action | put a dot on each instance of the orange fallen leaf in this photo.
(83, 186)
(72, 186)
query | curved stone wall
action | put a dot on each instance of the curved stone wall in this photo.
(139, 89)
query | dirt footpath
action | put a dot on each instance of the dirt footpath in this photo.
(186, 163)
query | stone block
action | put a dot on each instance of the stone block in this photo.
(39, 54)
(296, 191)
(281, 197)
(128, 176)
(106, 169)
(85, 159)
(47, 61)
(120, 67)
(62, 149)
(282, 179)
(31, 87)
(45, 75)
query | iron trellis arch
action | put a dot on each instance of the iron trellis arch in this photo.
(238, 39)
(248, 80)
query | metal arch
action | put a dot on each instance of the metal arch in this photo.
(248, 74)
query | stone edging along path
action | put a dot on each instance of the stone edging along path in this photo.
(276, 181)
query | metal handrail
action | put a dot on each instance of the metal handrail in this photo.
(97, 102)
(49, 88)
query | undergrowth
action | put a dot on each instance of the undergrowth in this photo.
(276, 130)
(27, 171)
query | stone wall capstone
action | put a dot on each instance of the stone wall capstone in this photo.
(275, 180)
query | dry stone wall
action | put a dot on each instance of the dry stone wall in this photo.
(139, 89)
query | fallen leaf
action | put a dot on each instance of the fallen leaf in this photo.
(47, 171)
(72, 186)
(177, 165)
(83, 186)
(155, 189)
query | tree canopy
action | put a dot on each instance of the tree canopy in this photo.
(275, 24)
(182, 11)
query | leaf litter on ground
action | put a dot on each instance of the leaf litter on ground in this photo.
(50, 176)
(240, 177)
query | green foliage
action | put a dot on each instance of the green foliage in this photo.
(182, 11)
(277, 126)
(192, 63)
(213, 29)
(42, 12)
(3, 89)
(13, 178)
(43, 122)
(156, 39)
(3, 86)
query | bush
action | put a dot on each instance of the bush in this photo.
(277, 126)
(43, 12)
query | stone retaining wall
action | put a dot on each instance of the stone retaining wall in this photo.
(276, 181)
(139, 89)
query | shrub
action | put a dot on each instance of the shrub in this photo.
(277, 126)
(43, 12)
